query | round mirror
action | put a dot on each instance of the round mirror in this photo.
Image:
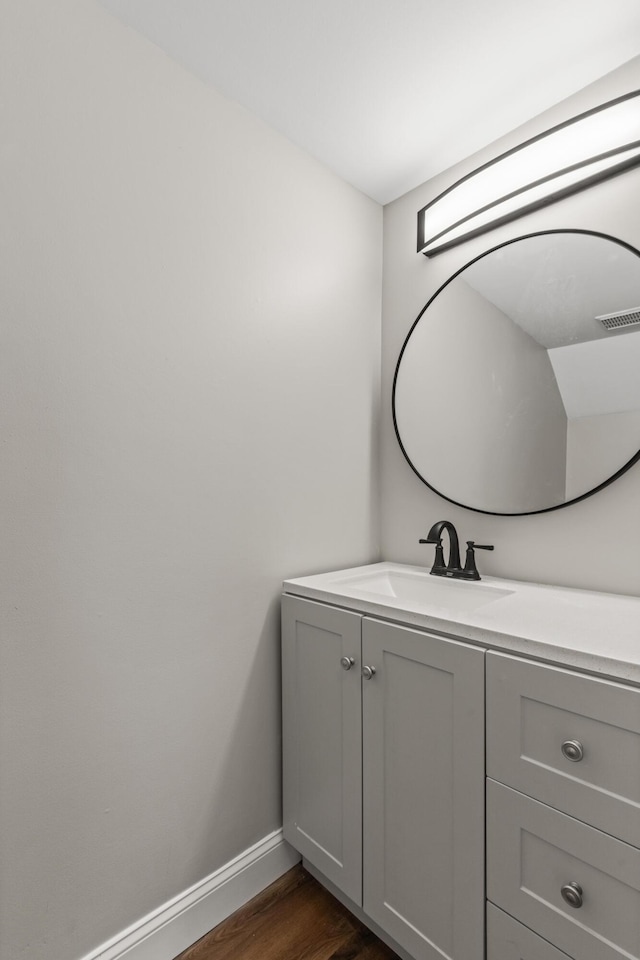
(517, 389)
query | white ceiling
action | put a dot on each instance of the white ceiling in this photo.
(553, 287)
(388, 93)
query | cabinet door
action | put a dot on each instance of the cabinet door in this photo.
(423, 785)
(322, 737)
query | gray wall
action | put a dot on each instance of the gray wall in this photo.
(592, 544)
(593, 446)
(190, 366)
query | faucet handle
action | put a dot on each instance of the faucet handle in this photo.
(438, 567)
(470, 571)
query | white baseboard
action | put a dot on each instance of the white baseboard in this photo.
(174, 926)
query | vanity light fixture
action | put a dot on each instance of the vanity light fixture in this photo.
(591, 147)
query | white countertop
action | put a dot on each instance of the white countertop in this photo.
(595, 632)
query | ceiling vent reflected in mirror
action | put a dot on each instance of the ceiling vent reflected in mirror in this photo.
(571, 156)
(620, 321)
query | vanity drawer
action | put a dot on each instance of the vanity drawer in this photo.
(509, 940)
(535, 852)
(539, 717)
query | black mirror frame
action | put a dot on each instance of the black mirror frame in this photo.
(525, 513)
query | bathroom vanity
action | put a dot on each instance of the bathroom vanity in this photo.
(389, 677)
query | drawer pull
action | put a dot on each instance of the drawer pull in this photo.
(572, 894)
(572, 750)
(346, 662)
(368, 672)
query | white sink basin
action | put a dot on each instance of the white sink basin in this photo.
(421, 589)
(596, 632)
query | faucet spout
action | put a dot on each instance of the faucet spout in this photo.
(452, 568)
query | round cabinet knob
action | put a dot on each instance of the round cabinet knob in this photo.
(346, 662)
(572, 894)
(368, 672)
(572, 750)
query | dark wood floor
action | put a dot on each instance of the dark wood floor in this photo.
(293, 919)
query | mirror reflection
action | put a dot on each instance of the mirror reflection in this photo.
(518, 387)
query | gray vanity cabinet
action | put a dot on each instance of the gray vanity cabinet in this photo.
(384, 731)
(384, 773)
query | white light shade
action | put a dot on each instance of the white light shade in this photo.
(569, 157)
